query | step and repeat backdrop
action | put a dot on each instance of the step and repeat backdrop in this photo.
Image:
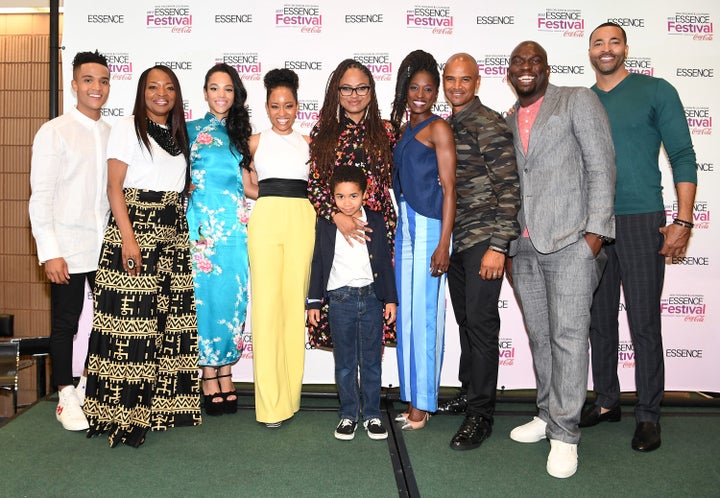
(671, 40)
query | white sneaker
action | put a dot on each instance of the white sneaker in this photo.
(68, 411)
(80, 389)
(562, 461)
(532, 432)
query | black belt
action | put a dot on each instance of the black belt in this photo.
(282, 187)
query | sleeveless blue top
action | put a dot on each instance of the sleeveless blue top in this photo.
(416, 175)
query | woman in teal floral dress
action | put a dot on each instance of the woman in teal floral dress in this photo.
(217, 218)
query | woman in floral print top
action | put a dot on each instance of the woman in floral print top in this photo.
(351, 131)
(217, 219)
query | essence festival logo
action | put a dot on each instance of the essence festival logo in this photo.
(696, 25)
(120, 66)
(640, 65)
(701, 214)
(438, 19)
(232, 18)
(305, 18)
(688, 307)
(378, 63)
(308, 113)
(506, 353)
(628, 22)
(626, 354)
(187, 110)
(175, 18)
(494, 20)
(245, 345)
(699, 120)
(569, 22)
(494, 66)
(247, 64)
(442, 109)
(371, 18)
(106, 19)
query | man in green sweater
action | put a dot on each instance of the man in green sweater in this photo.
(644, 112)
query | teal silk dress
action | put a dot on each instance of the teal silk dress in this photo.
(217, 218)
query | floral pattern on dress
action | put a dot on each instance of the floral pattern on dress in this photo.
(350, 150)
(217, 219)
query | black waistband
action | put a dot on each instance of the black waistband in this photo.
(282, 187)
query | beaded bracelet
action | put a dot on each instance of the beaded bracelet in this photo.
(683, 223)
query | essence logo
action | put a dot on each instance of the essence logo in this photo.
(106, 19)
(112, 112)
(437, 19)
(699, 120)
(247, 65)
(633, 22)
(691, 308)
(506, 352)
(568, 22)
(176, 65)
(120, 66)
(494, 66)
(176, 18)
(308, 113)
(304, 65)
(495, 20)
(696, 25)
(566, 69)
(626, 354)
(692, 261)
(701, 214)
(695, 72)
(233, 18)
(378, 63)
(706, 167)
(306, 18)
(692, 354)
(364, 19)
(640, 65)
(442, 109)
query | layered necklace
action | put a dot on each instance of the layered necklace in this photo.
(161, 135)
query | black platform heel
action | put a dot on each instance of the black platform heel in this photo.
(229, 405)
(213, 408)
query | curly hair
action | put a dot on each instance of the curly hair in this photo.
(413, 63)
(238, 119)
(329, 125)
(87, 58)
(286, 78)
(346, 173)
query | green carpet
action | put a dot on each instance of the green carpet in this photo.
(235, 456)
(231, 455)
(687, 463)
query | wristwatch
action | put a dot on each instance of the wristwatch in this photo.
(604, 238)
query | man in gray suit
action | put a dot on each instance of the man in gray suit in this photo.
(566, 165)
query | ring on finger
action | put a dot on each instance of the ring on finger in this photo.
(130, 263)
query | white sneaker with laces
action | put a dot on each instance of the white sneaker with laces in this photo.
(80, 389)
(345, 430)
(532, 432)
(68, 411)
(562, 461)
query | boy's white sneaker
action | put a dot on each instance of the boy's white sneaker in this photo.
(80, 389)
(68, 411)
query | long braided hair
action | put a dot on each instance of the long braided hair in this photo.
(413, 63)
(330, 125)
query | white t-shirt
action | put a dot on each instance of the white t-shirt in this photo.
(351, 264)
(160, 172)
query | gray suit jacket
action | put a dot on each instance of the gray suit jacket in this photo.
(567, 177)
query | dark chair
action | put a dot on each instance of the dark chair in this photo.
(9, 361)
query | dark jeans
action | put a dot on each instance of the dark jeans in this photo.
(634, 262)
(66, 304)
(475, 303)
(356, 325)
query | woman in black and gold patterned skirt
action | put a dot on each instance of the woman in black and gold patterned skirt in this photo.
(143, 355)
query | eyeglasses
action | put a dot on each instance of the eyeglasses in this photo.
(347, 91)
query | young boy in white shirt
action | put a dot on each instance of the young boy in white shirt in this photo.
(359, 283)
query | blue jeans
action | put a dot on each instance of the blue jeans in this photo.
(356, 326)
